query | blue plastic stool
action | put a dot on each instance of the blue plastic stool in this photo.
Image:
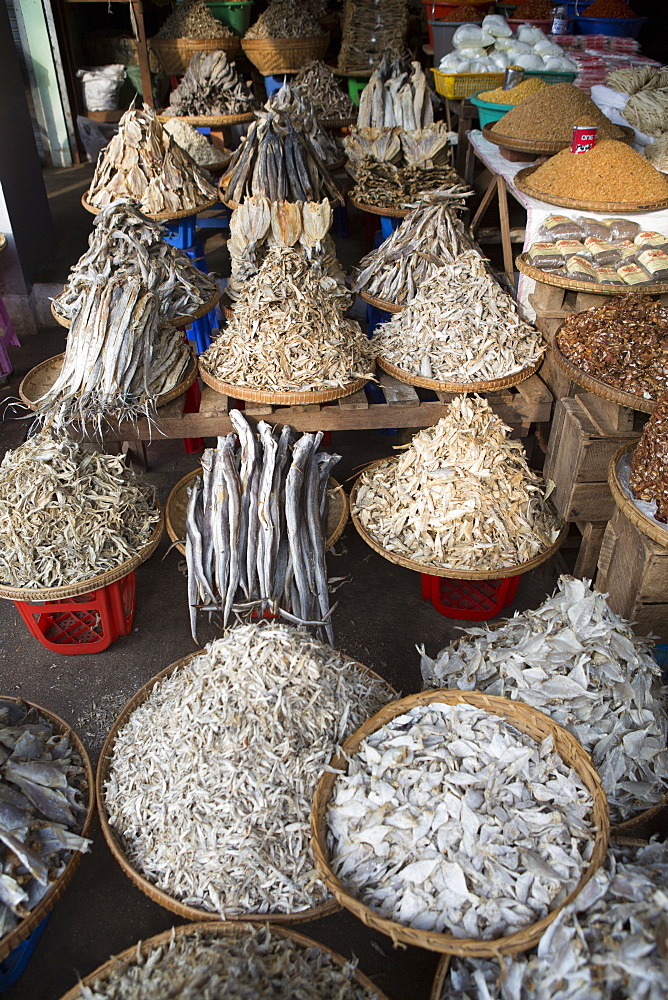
(274, 83)
(182, 232)
(388, 225)
(15, 964)
(375, 317)
(341, 221)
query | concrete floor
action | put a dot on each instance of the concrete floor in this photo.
(379, 620)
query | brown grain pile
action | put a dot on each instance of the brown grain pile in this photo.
(465, 12)
(550, 114)
(608, 8)
(514, 95)
(538, 9)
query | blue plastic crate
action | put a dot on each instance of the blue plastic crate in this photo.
(661, 657)
(15, 964)
(181, 233)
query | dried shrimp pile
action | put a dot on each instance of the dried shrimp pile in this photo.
(461, 326)
(396, 95)
(317, 82)
(193, 19)
(196, 145)
(67, 515)
(298, 109)
(289, 332)
(451, 820)
(285, 19)
(212, 777)
(649, 466)
(460, 497)
(580, 663)
(210, 86)
(142, 161)
(369, 28)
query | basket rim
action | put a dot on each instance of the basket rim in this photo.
(488, 385)
(383, 304)
(522, 183)
(574, 284)
(271, 44)
(529, 721)
(648, 525)
(539, 146)
(598, 387)
(391, 213)
(279, 399)
(440, 977)
(236, 119)
(161, 216)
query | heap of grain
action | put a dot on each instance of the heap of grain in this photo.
(285, 19)
(550, 114)
(193, 19)
(514, 95)
(649, 467)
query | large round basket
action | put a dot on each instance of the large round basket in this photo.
(280, 398)
(25, 928)
(644, 824)
(530, 722)
(284, 55)
(176, 321)
(490, 385)
(637, 511)
(217, 930)
(391, 213)
(117, 849)
(212, 121)
(533, 146)
(453, 572)
(336, 123)
(600, 388)
(160, 216)
(592, 287)
(174, 54)
(523, 183)
(438, 984)
(383, 304)
(177, 503)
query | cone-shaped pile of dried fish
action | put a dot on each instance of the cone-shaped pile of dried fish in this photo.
(285, 19)
(649, 466)
(318, 82)
(210, 86)
(460, 497)
(277, 159)
(67, 515)
(211, 778)
(142, 161)
(43, 799)
(126, 244)
(428, 238)
(289, 332)
(298, 109)
(451, 820)
(193, 19)
(256, 526)
(580, 663)
(460, 327)
(396, 94)
(370, 27)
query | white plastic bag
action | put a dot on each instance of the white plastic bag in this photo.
(468, 36)
(101, 86)
(472, 53)
(530, 34)
(527, 60)
(497, 26)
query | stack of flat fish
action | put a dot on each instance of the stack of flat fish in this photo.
(297, 107)
(211, 86)
(318, 82)
(396, 94)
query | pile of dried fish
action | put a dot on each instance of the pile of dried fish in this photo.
(298, 109)
(451, 820)
(369, 28)
(142, 161)
(212, 777)
(193, 19)
(279, 160)
(471, 979)
(461, 496)
(318, 82)
(254, 963)
(289, 332)
(428, 238)
(42, 783)
(126, 244)
(461, 326)
(649, 466)
(580, 663)
(67, 515)
(210, 86)
(204, 153)
(396, 94)
(256, 526)
(285, 19)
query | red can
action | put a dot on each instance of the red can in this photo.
(584, 138)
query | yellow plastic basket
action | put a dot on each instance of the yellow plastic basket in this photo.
(456, 85)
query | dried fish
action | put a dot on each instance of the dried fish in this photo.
(285, 19)
(471, 979)
(211, 86)
(396, 95)
(649, 466)
(451, 820)
(460, 497)
(580, 663)
(67, 515)
(196, 145)
(193, 19)
(231, 747)
(369, 28)
(317, 81)
(297, 107)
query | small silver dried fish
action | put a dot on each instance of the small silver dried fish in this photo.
(193, 19)
(317, 81)
(285, 19)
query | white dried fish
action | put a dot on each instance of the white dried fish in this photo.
(211, 86)
(205, 154)
(471, 979)
(396, 95)
(297, 107)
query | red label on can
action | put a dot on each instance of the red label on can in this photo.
(584, 138)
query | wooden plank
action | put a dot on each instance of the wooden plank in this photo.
(356, 401)
(609, 417)
(213, 402)
(592, 539)
(590, 500)
(651, 619)
(306, 407)
(398, 393)
(635, 568)
(534, 391)
(257, 410)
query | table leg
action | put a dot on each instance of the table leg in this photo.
(508, 263)
(484, 204)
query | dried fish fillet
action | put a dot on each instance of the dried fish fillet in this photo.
(211, 86)
(317, 81)
(471, 979)
(396, 95)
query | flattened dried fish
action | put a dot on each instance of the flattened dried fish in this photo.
(211, 86)
(298, 108)
(316, 80)
(396, 94)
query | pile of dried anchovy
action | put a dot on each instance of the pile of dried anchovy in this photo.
(451, 820)
(649, 465)
(212, 777)
(142, 161)
(318, 82)
(624, 343)
(461, 326)
(289, 332)
(67, 515)
(461, 496)
(580, 663)
(193, 19)
(251, 963)
(369, 28)
(285, 19)
(257, 523)
(298, 109)
(396, 94)
(211, 86)
(204, 153)
(42, 783)
(126, 244)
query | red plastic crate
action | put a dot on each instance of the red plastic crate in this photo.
(471, 600)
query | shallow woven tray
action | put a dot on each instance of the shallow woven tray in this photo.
(211, 120)
(177, 503)
(593, 287)
(273, 56)
(391, 213)
(116, 848)
(176, 321)
(450, 573)
(161, 216)
(522, 182)
(599, 388)
(490, 385)
(649, 526)
(383, 304)
(26, 926)
(280, 398)
(635, 826)
(529, 721)
(535, 146)
(338, 122)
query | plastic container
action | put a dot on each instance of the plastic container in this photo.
(535, 22)
(181, 233)
(470, 600)
(15, 964)
(458, 85)
(620, 27)
(488, 113)
(552, 77)
(436, 11)
(236, 15)
(661, 657)
(356, 85)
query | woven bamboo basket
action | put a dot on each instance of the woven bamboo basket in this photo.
(174, 54)
(592, 287)
(175, 321)
(599, 388)
(211, 120)
(383, 304)
(391, 213)
(116, 847)
(227, 306)
(530, 722)
(160, 216)
(439, 979)
(337, 123)
(534, 146)
(280, 398)
(284, 55)
(643, 825)
(25, 928)
(656, 530)
(523, 183)
(488, 385)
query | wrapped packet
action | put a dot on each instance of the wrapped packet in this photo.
(632, 274)
(650, 239)
(569, 248)
(607, 275)
(602, 252)
(544, 256)
(581, 269)
(560, 227)
(622, 229)
(594, 227)
(655, 262)
(628, 250)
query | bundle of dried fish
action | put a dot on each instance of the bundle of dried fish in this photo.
(289, 332)
(142, 161)
(126, 244)
(298, 109)
(193, 19)
(460, 497)
(204, 153)
(369, 28)
(318, 82)
(580, 663)
(211, 86)
(67, 515)
(277, 159)
(461, 326)
(451, 820)
(649, 466)
(396, 94)
(213, 823)
(285, 19)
